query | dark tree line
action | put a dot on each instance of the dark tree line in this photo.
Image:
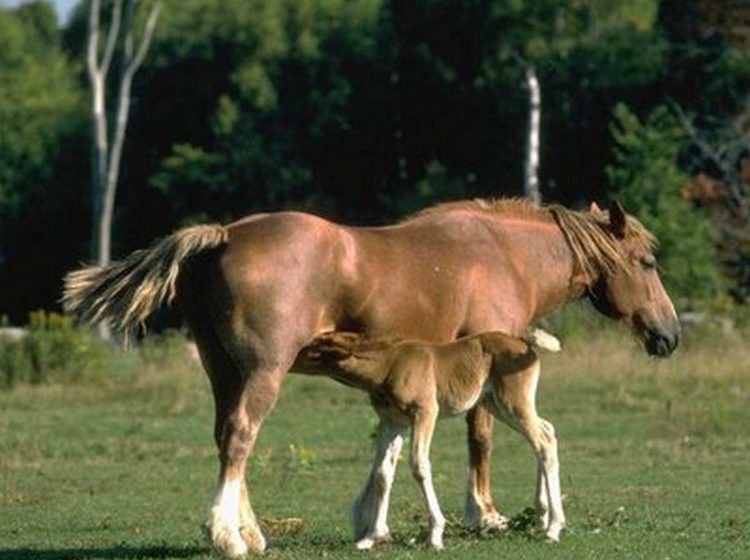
(366, 110)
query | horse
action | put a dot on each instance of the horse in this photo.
(412, 383)
(256, 291)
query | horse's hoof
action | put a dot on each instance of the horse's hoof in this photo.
(253, 539)
(229, 544)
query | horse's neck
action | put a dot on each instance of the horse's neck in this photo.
(546, 267)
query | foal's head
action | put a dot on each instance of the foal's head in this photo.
(617, 257)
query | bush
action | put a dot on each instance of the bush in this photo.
(648, 181)
(54, 351)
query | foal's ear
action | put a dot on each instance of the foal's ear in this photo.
(594, 209)
(618, 220)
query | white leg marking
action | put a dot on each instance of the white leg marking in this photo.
(421, 436)
(423, 475)
(249, 528)
(551, 467)
(370, 509)
(542, 497)
(224, 520)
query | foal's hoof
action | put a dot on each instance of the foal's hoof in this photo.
(435, 544)
(552, 534)
(369, 542)
(494, 523)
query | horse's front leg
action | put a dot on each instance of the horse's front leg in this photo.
(480, 511)
(370, 509)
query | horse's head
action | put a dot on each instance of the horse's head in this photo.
(630, 289)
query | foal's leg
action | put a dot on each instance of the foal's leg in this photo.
(423, 426)
(370, 509)
(479, 509)
(517, 408)
(550, 464)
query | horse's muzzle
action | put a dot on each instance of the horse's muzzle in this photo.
(662, 343)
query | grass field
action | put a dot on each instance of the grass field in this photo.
(654, 459)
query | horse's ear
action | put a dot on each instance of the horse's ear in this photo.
(618, 220)
(594, 209)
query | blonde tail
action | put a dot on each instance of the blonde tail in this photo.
(123, 294)
(541, 339)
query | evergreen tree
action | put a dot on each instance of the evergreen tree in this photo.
(648, 181)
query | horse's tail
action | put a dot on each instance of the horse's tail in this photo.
(123, 294)
(541, 339)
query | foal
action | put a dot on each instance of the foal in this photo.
(411, 383)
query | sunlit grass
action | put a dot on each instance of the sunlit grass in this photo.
(653, 454)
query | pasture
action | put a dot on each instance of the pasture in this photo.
(654, 461)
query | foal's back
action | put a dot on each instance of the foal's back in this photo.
(453, 375)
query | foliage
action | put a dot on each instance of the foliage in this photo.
(647, 179)
(358, 110)
(40, 98)
(55, 351)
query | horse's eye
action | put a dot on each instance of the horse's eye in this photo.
(648, 262)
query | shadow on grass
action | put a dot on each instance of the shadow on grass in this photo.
(122, 551)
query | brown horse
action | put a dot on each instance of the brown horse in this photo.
(258, 290)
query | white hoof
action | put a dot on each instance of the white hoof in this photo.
(494, 522)
(436, 544)
(371, 541)
(253, 538)
(227, 542)
(552, 534)
(365, 544)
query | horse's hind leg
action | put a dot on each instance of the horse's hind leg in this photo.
(479, 510)
(232, 523)
(244, 394)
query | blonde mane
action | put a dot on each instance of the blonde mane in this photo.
(595, 249)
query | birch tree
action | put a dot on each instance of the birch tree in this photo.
(531, 170)
(106, 148)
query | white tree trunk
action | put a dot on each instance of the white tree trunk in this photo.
(106, 151)
(531, 175)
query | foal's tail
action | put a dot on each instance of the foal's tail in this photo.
(542, 340)
(123, 294)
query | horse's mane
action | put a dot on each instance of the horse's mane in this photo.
(594, 246)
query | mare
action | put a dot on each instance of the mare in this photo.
(412, 383)
(256, 291)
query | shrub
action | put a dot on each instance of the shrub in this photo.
(54, 351)
(647, 179)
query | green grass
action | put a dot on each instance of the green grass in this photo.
(654, 459)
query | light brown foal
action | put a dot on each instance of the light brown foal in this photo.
(412, 383)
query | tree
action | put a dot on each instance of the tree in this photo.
(39, 100)
(648, 181)
(106, 149)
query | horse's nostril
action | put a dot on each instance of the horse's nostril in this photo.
(661, 343)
